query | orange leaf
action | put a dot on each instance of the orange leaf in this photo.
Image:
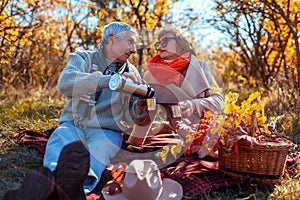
(119, 171)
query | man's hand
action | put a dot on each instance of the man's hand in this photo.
(142, 105)
(133, 78)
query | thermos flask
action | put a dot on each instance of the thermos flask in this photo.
(119, 83)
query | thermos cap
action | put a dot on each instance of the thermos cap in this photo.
(115, 82)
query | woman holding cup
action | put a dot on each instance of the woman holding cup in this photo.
(184, 86)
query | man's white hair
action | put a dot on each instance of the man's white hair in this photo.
(114, 28)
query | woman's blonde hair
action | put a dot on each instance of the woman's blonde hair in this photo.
(183, 39)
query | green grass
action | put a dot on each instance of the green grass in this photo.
(15, 159)
(42, 114)
(15, 164)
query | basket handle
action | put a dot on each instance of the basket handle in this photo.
(253, 123)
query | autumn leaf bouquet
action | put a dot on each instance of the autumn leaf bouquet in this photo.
(246, 124)
(241, 124)
(201, 137)
(248, 146)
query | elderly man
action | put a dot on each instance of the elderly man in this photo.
(92, 123)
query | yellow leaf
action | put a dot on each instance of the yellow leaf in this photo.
(176, 149)
(163, 154)
(215, 88)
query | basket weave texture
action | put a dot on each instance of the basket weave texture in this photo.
(264, 163)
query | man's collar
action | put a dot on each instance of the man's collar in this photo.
(116, 67)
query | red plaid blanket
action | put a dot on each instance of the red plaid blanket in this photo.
(197, 176)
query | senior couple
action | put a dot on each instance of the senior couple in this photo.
(92, 124)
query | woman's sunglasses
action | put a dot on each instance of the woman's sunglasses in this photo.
(163, 42)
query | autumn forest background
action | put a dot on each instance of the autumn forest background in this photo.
(257, 48)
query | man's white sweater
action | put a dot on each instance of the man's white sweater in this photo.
(92, 104)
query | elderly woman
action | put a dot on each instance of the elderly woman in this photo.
(179, 78)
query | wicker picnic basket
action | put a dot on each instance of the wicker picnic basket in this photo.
(263, 162)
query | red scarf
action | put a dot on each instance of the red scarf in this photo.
(171, 72)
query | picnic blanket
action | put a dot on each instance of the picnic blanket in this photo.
(197, 176)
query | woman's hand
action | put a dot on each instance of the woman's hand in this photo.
(188, 107)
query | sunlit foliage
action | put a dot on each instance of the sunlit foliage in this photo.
(264, 42)
(37, 35)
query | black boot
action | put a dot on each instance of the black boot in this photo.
(71, 171)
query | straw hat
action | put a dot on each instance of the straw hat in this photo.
(143, 181)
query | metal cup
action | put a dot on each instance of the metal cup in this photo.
(175, 111)
(151, 103)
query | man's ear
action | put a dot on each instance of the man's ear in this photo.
(110, 38)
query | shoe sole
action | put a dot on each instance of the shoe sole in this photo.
(71, 172)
